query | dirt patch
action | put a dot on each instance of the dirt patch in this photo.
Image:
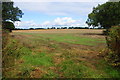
(20, 61)
(57, 59)
(36, 73)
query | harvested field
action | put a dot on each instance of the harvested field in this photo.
(98, 31)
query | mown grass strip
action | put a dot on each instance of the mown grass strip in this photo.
(69, 38)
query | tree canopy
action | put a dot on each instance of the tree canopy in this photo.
(10, 12)
(105, 15)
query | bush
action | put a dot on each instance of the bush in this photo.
(113, 43)
(8, 25)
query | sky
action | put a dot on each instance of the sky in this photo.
(55, 13)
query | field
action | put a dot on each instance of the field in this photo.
(59, 54)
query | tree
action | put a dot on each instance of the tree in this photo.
(10, 13)
(31, 28)
(105, 15)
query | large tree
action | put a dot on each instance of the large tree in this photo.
(10, 13)
(105, 15)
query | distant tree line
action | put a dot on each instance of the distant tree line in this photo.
(28, 29)
(58, 28)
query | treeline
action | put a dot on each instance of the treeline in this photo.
(28, 29)
(59, 28)
(69, 28)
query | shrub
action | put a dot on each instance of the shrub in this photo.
(8, 25)
(113, 43)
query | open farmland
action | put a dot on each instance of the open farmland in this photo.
(59, 54)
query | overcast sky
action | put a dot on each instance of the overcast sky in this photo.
(56, 13)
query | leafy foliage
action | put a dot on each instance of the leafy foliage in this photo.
(105, 15)
(113, 42)
(8, 25)
(9, 12)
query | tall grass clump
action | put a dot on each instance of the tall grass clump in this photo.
(11, 51)
(5, 38)
(113, 43)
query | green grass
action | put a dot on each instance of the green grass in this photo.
(111, 71)
(39, 59)
(80, 70)
(69, 38)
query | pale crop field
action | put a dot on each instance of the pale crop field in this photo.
(60, 54)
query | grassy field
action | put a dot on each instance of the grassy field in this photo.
(59, 54)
